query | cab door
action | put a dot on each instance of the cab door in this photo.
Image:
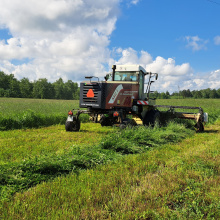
(141, 85)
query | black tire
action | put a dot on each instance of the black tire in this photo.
(76, 125)
(72, 125)
(105, 121)
(69, 125)
(199, 126)
(122, 126)
(152, 118)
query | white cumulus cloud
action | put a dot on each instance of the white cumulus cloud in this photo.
(170, 74)
(196, 43)
(59, 38)
(70, 39)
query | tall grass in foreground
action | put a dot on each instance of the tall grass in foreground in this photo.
(178, 181)
(18, 113)
(22, 175)
(31, 119)
(11, 106)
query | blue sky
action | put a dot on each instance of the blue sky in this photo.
(179, 39)
(161, 27)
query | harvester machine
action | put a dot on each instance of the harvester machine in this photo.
(121, 99)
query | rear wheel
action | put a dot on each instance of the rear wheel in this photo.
(127, 122)
(152, 118)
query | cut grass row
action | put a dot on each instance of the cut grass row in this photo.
(172, 181)
(21, 174)
(19, 145)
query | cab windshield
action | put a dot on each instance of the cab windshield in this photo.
(126, 76)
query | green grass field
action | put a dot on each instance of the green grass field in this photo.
(11, 106)
(105, 173)
(34, 113)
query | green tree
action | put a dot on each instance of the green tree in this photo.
(213, 94)
(76, 94)
(71, 90)
(2, 92)
(59, 88)
(14, 87)
(4, 81)
(198, 95)
(163, 95)
(186, 93)
(26, 88)
(218, 92)
(42, 89)
(206, 93)
(167, 95)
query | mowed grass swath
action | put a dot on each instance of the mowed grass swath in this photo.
(171, 181)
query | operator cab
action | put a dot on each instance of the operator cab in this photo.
(130, 74)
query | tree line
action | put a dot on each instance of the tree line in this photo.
(196, 94)
(39, 89)
(42, 89)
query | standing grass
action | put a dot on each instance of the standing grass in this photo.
(16, 106)
(173, 181)
(34, 113)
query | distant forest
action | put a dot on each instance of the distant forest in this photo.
(196, 94)
(39, 89)
(42, 89)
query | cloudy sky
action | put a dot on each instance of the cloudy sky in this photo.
(50, 39)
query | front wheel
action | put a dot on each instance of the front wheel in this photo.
(105, 121)
(72, 125)
(199, 126)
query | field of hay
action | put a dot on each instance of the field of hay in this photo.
(106, 173)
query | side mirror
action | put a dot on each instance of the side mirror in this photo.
(106, 77)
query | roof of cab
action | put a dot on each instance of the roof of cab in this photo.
(130, 68)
